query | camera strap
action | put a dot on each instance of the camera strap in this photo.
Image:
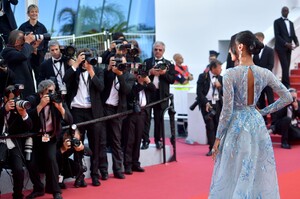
(85, 80)
(59, 72)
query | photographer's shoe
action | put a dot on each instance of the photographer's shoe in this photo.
(138, 169)
(80, 182)
(145, 145)
(104, 176)
(209, 153)
(95, 181)
(57, 196)
(35, 194)
(285, 146)
(128, 171)
(119, 175)
(159, 144)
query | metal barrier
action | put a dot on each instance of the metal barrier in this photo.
(101, 41)
(171, 113)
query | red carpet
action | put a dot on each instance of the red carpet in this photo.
(188, 178)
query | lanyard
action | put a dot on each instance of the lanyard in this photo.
(86, 82)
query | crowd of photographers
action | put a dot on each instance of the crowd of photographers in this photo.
(38, 128)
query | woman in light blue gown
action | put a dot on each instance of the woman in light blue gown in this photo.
(244, 158)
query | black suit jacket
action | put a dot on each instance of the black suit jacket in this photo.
(281, 34)
(16, 125)
(164, 80)
(126, 81)
(47, 71)
(266, 60)
(96, 86)
(17, 62)
(278, 115)
(203, 85)
(56, 116)
(9, 13)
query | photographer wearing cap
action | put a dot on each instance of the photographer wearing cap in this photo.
(14, 120)
(69, 142)
(47, 112)
(209, 97)
(85, 83)
(17, 53)
(286, 122)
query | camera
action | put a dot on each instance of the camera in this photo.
(142, 70)
(17, 90)
(2, 62)
(210, 114)
(56, 97)
(161, 65)
(74, 141)
(44, 36)
(119, 64)
(91, 60)
(132, 50)
(28, 148)
(68, 51)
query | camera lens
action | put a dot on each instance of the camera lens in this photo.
(23, 104)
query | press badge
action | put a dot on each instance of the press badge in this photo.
(45, 138)
(60, 178)
(88, 100)
(215, 98)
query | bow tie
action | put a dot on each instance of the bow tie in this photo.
(285, 19)
(56, 60)
(214, 76)
(157, 60)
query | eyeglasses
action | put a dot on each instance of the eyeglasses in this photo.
(156, 49)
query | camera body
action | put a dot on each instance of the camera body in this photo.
(212, 112)
(142, 70)
(119, 63)
(161, 65)
(68, 51)
(75, 142)
(90, 59)
(57, 97)
(132, 50)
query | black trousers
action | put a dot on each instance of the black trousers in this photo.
(16, 162)
(284, 56)
(282, 127)
(114, 135)
(95, 134)
(133, 137)
(211, 123)
(5, 29)
(43, 159)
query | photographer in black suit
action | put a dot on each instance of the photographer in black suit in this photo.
(209, 97)
(7, 19)
(118, 84)
(162, 74)
(47, 112)
(264, 59)
(55, 67)
(286, 121)
(14, 120)
(85, 83)
(17, 53)
(284, 36)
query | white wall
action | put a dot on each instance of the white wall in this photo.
(193, 27)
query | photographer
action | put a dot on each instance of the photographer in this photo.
(117, 38)
(85, 83)
(209, 97)
(55, 67)
(6, 77)
(66, 146)
(162, 74)
(118, 84)
(48, 111)
(286, 121)
(14, 120)
(17, 54)
(138, 98)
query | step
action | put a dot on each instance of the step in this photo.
(295, 72)
(294, 79)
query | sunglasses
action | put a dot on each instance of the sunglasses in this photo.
(158, 50)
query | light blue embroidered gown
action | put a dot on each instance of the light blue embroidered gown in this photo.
(245, 166)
